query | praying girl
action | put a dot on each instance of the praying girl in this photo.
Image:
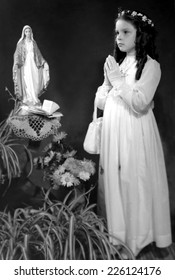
(133, 190)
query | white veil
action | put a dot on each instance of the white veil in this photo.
(23, 33)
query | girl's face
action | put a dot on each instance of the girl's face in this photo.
(125, 36)
(27, 33)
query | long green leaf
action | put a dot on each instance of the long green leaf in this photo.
(71, 232)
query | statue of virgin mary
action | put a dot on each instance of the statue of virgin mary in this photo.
(30, 70)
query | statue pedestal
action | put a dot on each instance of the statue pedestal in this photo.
(34, 127)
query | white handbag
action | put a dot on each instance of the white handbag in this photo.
(92, 139)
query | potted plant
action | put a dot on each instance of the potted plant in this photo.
(56, 231)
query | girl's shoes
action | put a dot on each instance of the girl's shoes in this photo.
(123, 253)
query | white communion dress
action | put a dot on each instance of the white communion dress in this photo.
(133, 191)
(31, 76)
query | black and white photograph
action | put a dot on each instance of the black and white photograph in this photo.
(87, 130)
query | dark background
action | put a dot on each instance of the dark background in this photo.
(75, 37)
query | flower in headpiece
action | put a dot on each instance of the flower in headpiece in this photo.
(134, 13)
(150, 22)
(144, 18)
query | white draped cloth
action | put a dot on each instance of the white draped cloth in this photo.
(31, 76)
(133, 191)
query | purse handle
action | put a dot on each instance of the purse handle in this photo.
(95, 112)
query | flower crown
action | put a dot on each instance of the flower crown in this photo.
(136, 14)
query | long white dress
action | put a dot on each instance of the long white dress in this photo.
(31, 77)
(133, 190)
(30, 73)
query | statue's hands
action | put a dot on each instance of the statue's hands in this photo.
(46, 75)
(46, 66)
(112, 69)
(15, 73)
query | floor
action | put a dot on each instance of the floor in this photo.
(151, 252)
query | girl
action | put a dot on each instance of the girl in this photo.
(133, 188)
(30, 70)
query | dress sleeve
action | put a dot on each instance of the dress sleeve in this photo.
(140, 96)
(101, 95)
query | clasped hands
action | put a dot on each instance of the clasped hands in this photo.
(111, 71)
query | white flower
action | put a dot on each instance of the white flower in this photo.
(56, 176)
(69, 154)
(73, 165)
(51, 154)
(35, 161)
(49, 146)
(134, 13)
(67, 179)
(144, 18)
(57, 173)
(58, 137)
(76, 182)
(88, 166)
(47, 160)
(150, 22)
(61, 169)
(83, 175)
(58, 156)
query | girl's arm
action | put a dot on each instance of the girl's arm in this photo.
(102, 92)
(139, 96)
(101, 95)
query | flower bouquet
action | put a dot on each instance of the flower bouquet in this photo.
(61, 166)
